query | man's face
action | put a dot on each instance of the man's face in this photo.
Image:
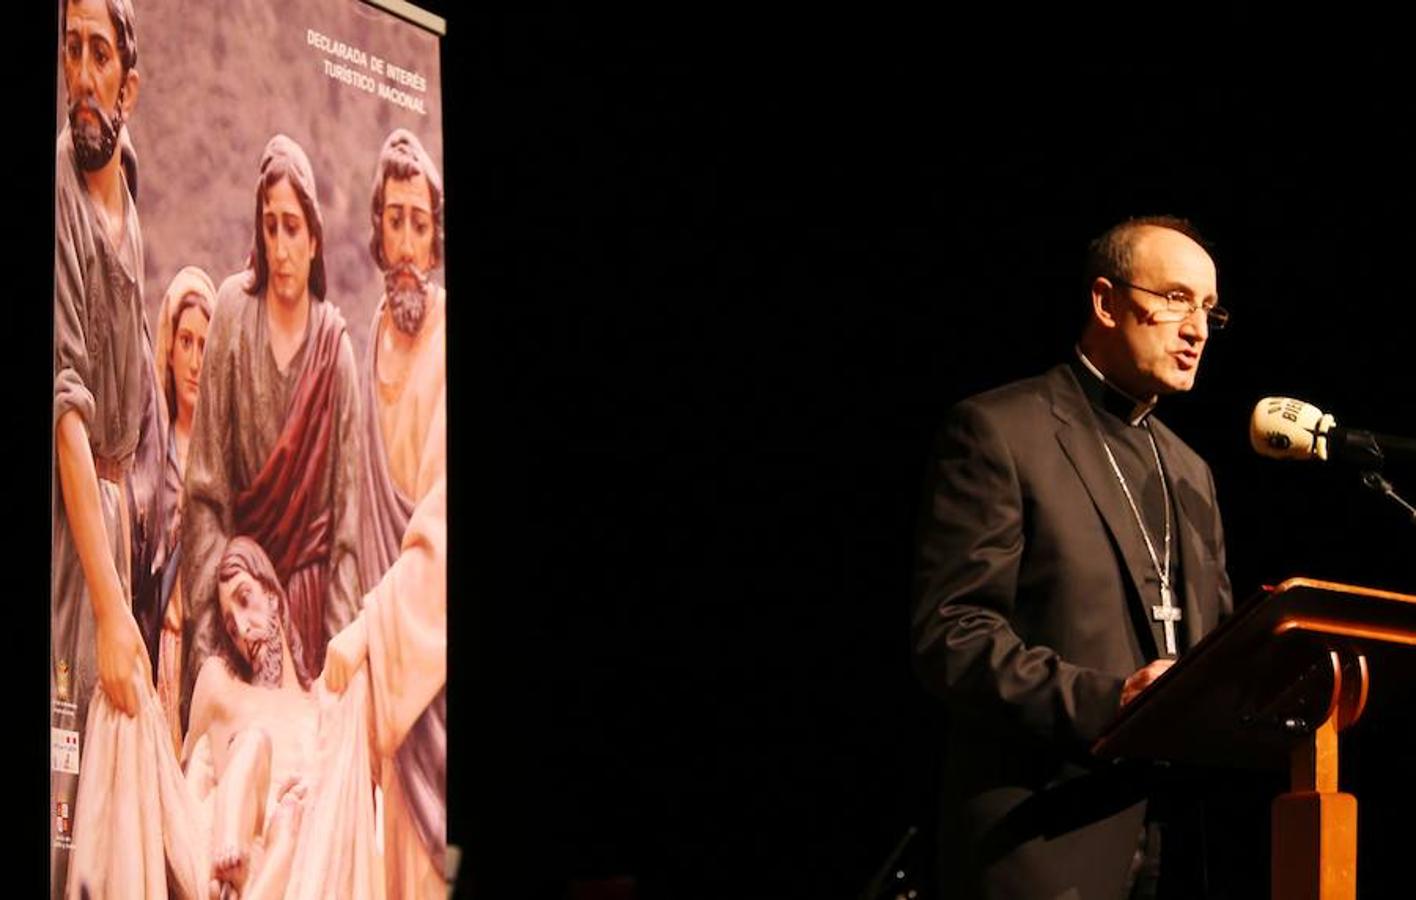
(1162, 357)
(94, 81)
(290, 248)
(251, 617)
(188, 348)
(408, 223)
(406, 230)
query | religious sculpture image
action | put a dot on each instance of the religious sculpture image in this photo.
(249, 599)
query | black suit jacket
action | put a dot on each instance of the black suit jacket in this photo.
(1028, 618)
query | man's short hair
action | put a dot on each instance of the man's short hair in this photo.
(1109, 256)
(285, 159)
(124, 20)
(402, 157)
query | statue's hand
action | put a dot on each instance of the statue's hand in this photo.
(120, 656)
(345, 654)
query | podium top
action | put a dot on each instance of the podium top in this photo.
(1267, 676)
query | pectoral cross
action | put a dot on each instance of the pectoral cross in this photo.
(1168, 615)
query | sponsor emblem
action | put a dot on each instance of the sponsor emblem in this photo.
(63, 681)
(64, 750)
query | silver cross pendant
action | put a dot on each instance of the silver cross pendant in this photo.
(1168, 615)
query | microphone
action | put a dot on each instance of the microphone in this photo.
(1285, 428)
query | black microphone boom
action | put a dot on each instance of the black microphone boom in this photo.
(1368, 449)
(1285, 428)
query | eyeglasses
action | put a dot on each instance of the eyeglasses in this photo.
(1179, 306)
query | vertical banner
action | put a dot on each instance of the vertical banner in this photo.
(249, 529)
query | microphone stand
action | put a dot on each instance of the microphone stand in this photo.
(1374, 480)
(876, 889)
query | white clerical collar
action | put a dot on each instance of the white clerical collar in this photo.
(1140, 409)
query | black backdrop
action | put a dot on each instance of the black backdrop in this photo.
(717, 276)
(729, 271)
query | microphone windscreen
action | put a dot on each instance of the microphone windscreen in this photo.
(1285, 428)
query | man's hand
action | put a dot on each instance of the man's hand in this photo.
(1142, 679)
(120, 645)
(345, 654)
(120, 654)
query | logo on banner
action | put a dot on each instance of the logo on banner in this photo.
(64, 750)
(63, 681)
(62, 818)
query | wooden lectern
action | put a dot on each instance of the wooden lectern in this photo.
(1272, 687)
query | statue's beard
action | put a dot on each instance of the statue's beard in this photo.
(267, 665)
(94, 141)
(407, 304)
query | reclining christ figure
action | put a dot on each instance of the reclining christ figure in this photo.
(264, 742)
(252, 701)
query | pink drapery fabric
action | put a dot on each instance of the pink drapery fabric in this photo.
(138, 820)
(135, 815)
(336, 855)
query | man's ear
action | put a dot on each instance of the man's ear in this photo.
(1103, 294)
(129, 96)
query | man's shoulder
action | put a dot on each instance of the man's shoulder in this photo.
(212, 686)
(326, 313)
(68, 188)
(437, 327)
(215, 669)
(64, 169)
(329, 320)
(228, 316)
(231, 296)
(1025, 397)
(327, 323)
(432, 340)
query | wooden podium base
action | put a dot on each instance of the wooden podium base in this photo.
(1315, 846)
(1275, 683)
(1314, 854)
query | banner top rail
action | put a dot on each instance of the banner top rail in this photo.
(415, 14)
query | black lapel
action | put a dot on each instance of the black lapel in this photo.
(1081, 441)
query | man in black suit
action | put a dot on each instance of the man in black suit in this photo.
(1072, 548)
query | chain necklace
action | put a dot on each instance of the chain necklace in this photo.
(1166, 613)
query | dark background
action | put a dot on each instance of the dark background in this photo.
(717, 275)
(727, 273)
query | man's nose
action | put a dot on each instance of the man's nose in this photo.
(83, 73)
(1195, 328)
